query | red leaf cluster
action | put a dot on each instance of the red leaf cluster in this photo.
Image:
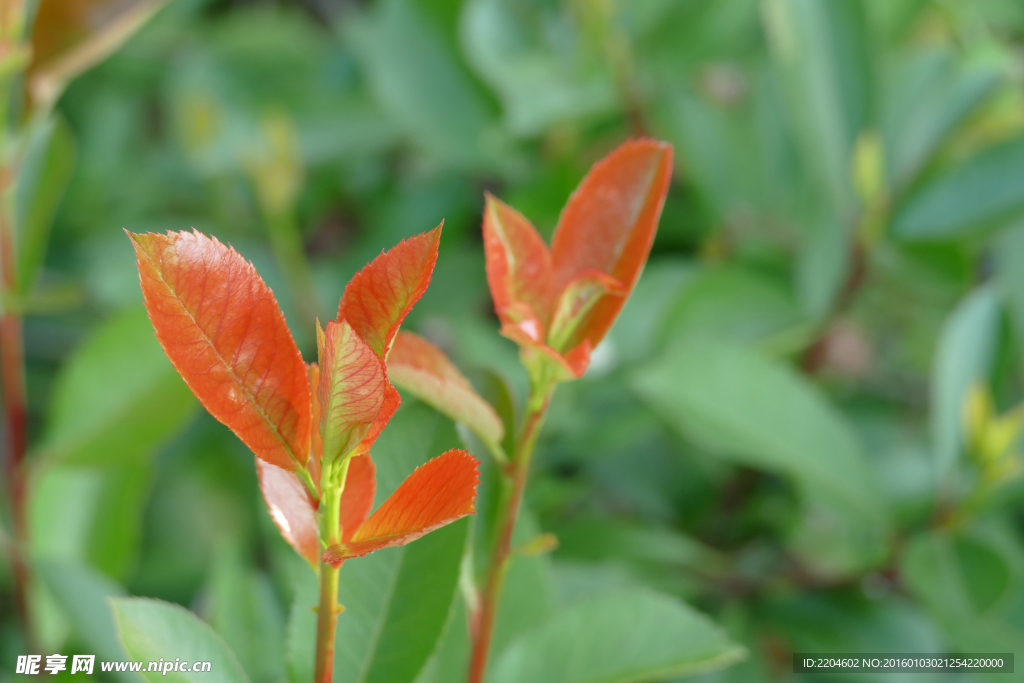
(560, 302)
(222, 329)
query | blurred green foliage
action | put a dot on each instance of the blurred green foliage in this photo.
(780, 429)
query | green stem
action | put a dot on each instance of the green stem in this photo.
(513, 485)
(333, 484)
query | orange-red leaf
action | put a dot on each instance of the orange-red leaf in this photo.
(379, 297)
(351, 389)
(436, 494)
(222, 329)
(422, 368)
(295, 514)
(357, 498)
(316, 447)
(519, 269)
(610, 221)
(577, 300)
(392, 400)
(291, 509)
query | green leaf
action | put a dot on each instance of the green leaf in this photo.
(969, 582)
(822, 50)
(395, 611)
(43, 177)
(153, 629)
(626, 637)
(985, 191)
(419, 83)
(83, 594)
(731, 303)
(760, 412)
(117, 397)
(964, 355)
(245, 612)
(1008, 257)
(928, 98)
(540, 82)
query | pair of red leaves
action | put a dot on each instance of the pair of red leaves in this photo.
(223, 331)
(558, 303)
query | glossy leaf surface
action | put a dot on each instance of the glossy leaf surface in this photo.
(437, 493)
(221, 327)
(379, 297)
(578, 298)
(153, 629)
(351, 389)
(519, 269)
(291, 509)
(610, 221)
(420, 367)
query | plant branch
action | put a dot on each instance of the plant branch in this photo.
(333, 484)
(513, 484)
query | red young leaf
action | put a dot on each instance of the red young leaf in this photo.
(357, 498)
(295, 514)
(519, 269)
(351, 390)
(291, 509)
(436, 494)
(422, 368)
(392, 400)
(221, 327)
(379, 297)
(610, 221)
(577, 299)
(316, 447)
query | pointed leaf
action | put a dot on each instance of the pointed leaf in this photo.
(519, 269)
(221, 327)
(436, 494)
(577, 299)
(631, 636)
(610, 221)
(68, 38)
(153, 629)
(291, 509)
(357, 498)
(351, 390)
(379, 297)
(420, 367)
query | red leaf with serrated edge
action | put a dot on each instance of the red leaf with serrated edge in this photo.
(436, 494)
(519, 269)
(223, 331)
(610, 221)
(392, 400)
(352, 388)
(379, 297)
(291, 509)
(422, 368)
(357, 497)
(295, 514)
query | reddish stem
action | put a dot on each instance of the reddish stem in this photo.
(513, 485)
(12, 388)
